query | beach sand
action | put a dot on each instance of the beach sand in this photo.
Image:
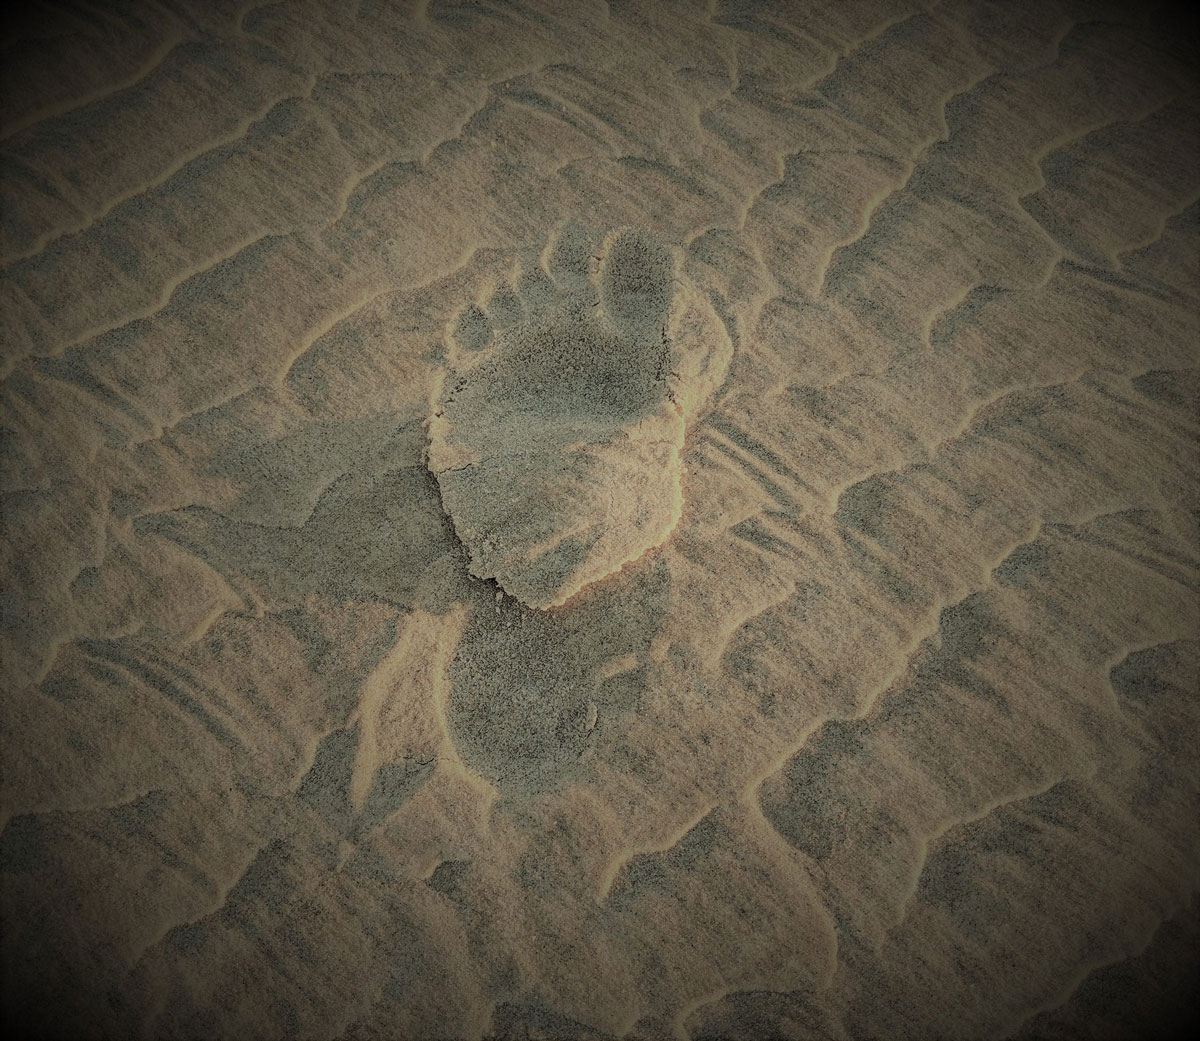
(647, 520)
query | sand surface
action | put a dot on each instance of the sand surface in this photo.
(571, 520)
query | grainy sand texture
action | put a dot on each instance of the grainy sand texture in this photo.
(658, 520)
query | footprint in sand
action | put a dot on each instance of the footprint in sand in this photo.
(555, 435)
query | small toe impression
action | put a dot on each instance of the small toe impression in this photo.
(473, 331)
(556, 448)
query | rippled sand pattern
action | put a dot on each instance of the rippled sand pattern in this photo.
(886, 727)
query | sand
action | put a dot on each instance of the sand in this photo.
(568, 520)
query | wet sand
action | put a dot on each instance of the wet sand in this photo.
(585, 521)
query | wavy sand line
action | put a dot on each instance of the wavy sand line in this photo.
(157, 57)
(90, 220)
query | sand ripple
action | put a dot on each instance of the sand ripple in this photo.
(647, 520)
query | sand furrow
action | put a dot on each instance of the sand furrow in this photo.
(945, 833)
(1077, 135)
(623, 858)
(157, 57)
(91, 219)
(871, 705)
(165, 295)
(852, 47)
(915, 160)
